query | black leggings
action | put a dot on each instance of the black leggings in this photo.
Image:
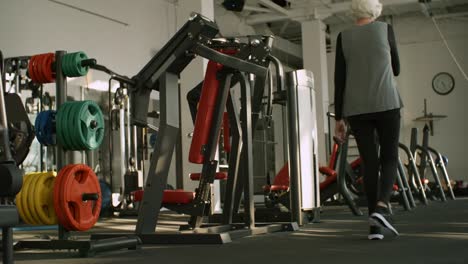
(372, 131)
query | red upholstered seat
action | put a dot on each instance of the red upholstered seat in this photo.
(331, 177)
(177, 197)
(329, 180)
(327, 171)
(275, 188)
(218, 176)
(169, 196)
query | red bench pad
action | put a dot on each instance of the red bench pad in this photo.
(169, 196)
(218, 176)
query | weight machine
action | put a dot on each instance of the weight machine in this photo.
(230, 61)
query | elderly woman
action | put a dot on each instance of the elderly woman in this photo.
(366, 97)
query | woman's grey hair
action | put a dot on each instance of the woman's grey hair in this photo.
(366, 8)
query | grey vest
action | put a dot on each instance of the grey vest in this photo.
(370, 84)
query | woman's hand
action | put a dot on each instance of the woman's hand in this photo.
(340, 131)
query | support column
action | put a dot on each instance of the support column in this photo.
(314, 52)
(190, 77)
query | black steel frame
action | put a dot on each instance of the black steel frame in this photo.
(86, 248)
(161, 74)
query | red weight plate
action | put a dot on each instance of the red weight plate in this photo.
(33, 73)
(40, 68)
(47, 67)
(81, 215)
(57, 194)
(37, 68)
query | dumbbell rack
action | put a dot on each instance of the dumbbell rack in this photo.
(86, 248)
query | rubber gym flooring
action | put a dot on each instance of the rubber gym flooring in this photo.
(437, 233)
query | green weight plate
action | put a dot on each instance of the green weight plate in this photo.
(80, 56)
(59, 126)
(65, 65)
(73, 64)
(92, 136)
(65, 127)
(67, 130)
(78, 109)
(69, 65)
(73, 115)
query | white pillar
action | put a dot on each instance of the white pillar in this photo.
(314, 52)
(190, 77)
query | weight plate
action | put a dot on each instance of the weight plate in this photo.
(79, 215)
(75, 124)
(24, 199)
(44, 127)
(44, 199)
(64, 129)
(19, 201)
(47, 67)
(32, 188)
(92, 134)
(66, 65)
(39, 68)
(80, 56)
(57, 194)
(68, 129)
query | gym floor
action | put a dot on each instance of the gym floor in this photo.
(437, 233)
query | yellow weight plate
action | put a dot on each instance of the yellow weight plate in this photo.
(19, 202)
(31, 200)
(44, 199)
(24, 199)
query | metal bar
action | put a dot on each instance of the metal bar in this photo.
(256, 9)
(341, 179)
(209, 165)
(161, 160)
(426, 152)
(61, 98)
(229, 61)
(7, 242)
(293, 153)
(413, 172)
(275, 7)
(247, 157)
(402, 188)
(123, 152)
(406, 185)
(6, 155)
(234, 160)
(441, 164)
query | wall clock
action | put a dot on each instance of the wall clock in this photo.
(443, 83)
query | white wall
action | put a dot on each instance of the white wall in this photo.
(32, 27)
(422, 55)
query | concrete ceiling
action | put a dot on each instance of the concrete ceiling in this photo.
(285, 21)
